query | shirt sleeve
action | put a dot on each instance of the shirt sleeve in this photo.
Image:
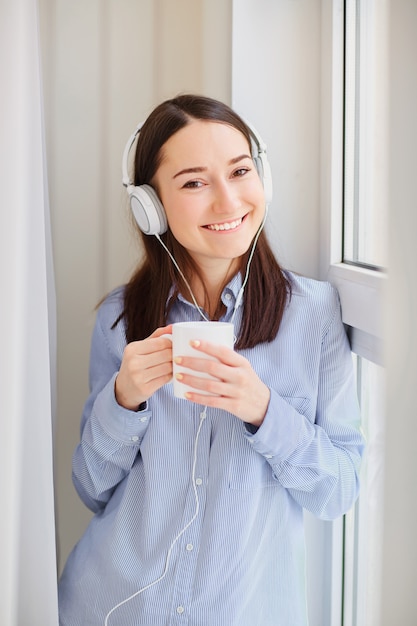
(318, 461)
(110, 434)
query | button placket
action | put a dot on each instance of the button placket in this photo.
(188, 550)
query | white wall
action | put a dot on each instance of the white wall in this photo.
(276, 85)
(106, 64)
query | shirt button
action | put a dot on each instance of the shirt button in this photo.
(180, 610)
(135, 438)
(189, 547)
(268, 456)
(198, 481)
(143, 419)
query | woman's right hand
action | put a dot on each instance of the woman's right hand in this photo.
(146, 366)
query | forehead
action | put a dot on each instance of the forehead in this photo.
(204, 140)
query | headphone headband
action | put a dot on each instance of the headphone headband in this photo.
(125, 159)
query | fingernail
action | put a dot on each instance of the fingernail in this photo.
(195, 343)
(178, 360)
(179, 376)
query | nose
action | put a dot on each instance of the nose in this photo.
(226, 199)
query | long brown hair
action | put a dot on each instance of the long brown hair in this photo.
(146, 294)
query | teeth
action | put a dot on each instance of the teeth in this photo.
(225, 226)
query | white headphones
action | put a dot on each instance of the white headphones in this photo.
(147, 208)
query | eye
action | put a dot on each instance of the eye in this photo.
(241, 171)
(193, 184)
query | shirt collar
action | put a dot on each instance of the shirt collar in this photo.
(228, 296)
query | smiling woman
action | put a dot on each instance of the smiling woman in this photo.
(182, 493)
(214, 200)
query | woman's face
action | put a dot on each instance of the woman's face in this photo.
(211, 191)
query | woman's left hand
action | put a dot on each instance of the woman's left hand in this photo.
(236, 386)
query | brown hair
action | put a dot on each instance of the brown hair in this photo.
(146, 294)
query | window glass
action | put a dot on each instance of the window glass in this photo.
(363, 525)
(365, 136)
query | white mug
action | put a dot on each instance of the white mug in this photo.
(185, 332)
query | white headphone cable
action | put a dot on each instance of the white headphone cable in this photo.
(171, 256)
(252, 252)
(240, 294)
(203, 415)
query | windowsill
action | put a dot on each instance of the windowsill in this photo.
(361, 294)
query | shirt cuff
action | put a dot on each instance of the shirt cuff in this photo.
(120, 423)
(282, 430)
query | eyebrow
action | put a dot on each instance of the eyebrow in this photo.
(199, 169)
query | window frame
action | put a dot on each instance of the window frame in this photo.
(361, 289)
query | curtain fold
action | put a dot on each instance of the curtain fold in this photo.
(27, 332)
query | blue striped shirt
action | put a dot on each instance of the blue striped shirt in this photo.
(211, 533)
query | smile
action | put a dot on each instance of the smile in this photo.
(225, 225)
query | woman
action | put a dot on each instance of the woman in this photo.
(199, 511)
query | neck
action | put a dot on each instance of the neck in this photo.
(204, 288)
(208, 287)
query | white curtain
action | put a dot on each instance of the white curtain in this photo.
(27, 332)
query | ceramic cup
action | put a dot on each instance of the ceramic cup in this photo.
(185, 332)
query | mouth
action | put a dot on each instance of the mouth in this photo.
(225, 226)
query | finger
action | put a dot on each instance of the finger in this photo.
(144, 379)
(151, 374)
(245, 408)
(164, 330)
(148, 346)
(212, 401)
(208, 385)
(211, 367)
(135, 360)
(159, 340)
(220, 352)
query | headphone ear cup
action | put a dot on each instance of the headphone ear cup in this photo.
(148, 210)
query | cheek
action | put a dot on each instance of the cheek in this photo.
(181, 220)
(261, 193)
(253, 192)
